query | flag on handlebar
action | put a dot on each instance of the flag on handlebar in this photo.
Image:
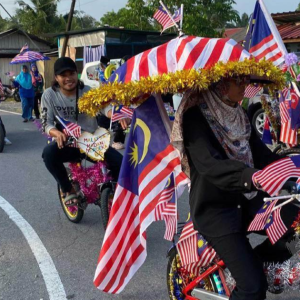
(275, 227)
(262, 216)
(272, 177)
(70, 128)
(149, 160)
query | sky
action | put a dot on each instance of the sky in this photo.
(97, 8)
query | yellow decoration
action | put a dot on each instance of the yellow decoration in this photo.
(136, 92)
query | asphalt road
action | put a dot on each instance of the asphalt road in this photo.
(69, 250)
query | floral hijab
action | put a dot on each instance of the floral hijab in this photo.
(229, 124)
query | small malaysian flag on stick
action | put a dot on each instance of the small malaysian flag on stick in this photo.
(70, 128)
(121, 112)
(262, 216)
(272, 177)
(251, 91)
(275, 227)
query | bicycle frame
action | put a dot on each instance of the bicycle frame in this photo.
(191, 292)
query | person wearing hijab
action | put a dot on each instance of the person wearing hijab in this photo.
(221, 152)
(38, 84)
(26, 90)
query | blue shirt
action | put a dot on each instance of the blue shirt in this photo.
(25, 93)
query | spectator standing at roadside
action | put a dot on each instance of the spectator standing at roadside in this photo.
(38, 84)
(26, 90)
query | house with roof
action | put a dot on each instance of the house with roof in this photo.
(288, 25)
(11, 42)
(89, 44)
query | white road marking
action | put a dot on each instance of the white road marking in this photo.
(52, 280)
(10, 112)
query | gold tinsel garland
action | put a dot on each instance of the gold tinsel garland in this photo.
(136, 92)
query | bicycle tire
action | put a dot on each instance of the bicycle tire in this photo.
(106, 198)
(17, 97)
(2, 143)
(76, 216)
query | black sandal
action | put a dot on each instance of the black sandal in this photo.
(70, 198)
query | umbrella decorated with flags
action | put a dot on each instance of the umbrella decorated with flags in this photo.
(187, 62)
(27, 56)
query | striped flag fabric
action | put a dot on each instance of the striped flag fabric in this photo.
(176, 17)
(263, 39)
(290, 115)
(251, 91)
(121, 112)
(163, 17)
(149, 159)
(171, 57)
(193, 249)
(275, 227)
(272, 177)
(70, 128)
(166, 208)
(259, 221)
(24, 48)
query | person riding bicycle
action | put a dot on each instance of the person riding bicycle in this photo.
(222, 154)
(61, 100)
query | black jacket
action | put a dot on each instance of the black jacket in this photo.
(217, 183)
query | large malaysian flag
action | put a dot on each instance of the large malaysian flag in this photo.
(148, 162)
(263, 39)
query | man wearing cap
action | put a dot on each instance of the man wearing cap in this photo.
(61, 100)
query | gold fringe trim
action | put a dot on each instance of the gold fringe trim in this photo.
(136, 92)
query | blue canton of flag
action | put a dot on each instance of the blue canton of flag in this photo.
(267, 137)
(149, 159)
(262, 39)
(262, 216)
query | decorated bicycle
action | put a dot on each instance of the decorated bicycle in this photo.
(212, 143)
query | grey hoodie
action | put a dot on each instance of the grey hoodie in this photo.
(55, 103)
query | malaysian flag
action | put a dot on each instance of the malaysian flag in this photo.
(262, 216)
(290, 115)
(121, 112)
(70, 128)
(275, 227)
(148, 162)
(24, 48)
(166, 208)
(163, 17)
(267, 136)
(263, 39)
(251, 91)
(272, 177)
(193, 249)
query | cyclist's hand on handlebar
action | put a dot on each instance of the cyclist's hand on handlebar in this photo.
(124, 123)
(61, 139)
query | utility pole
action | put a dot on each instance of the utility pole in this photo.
(66, 39)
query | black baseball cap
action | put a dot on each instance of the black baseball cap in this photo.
(64, 64)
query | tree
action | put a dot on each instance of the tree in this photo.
(201, 17)
(298, 8)
(38, 18)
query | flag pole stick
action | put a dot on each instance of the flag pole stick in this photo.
(62, 123)
(162, 4)
(181, 19)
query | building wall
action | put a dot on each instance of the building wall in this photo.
(17, 41)
(293, 47)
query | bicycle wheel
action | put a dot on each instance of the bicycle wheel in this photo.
(73, 213)
(106, 199)
(1, 138)
(17, 97)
